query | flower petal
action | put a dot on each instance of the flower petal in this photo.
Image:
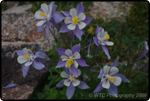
(98, 88)
(82, 16)
(67, 70)
(68, 20)
(106, 51)
(37, 14)
(73, 12)
(80, 8)
(75, 48)
(58, 17)
(113, 90)
(47, 30)
(106, 84)
(44, 7)
(113, 70)
(60, 84)
(64, 58)
(68, 52)
(25, 70)
(40, 23)
(106, 69)
(87, 20)
(28, 63)
(40, 55)
(70, 91)
(66, 13)
(74, 70)
(20, 53)
(37, 65)
(61, 51)
(78, 32)
(81, 25)
(96, 41)
(122, 77)
(61, 63)
(117, 81)
(67, 82)
(81, 62)
(64, 28)
(71, 27)
(25, 50)
(98, 29)
(101, 73)
(76, 83)
(83, 85)
(63, 74)
(115, 63)
(40, 28)
(108, 43)
(75, 64)
(79, 72)
(21, 60)
(76, 55)
(11, 85)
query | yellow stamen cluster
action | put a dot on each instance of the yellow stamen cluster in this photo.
(106, 37)
(90, 30)
(136, 52)
(26, 56)
(43, 14)
(69, 62)
(73, 79)
(123, 5)
(75, 20)
(111, 79)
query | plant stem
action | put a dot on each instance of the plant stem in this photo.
(53, 36)
(90, 76)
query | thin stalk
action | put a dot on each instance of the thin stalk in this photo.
(54, 36)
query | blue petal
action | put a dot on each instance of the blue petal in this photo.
(78, 32)
(58, 17)
(96, 41)
(98, 88)
(115, 63)
(47, 29)
(66, 13)
(20, 53)
(80, 9)
(37, 65)
(98, 29)
(64, 28)
(106, 51)
(83, 85)
(11, 85)
(40, 55)
(40, 28)
(70, 91)
(67, 70)
(74, 70)
(122, 77)
(113, 90)
(60, 84)
(75, 48)
(61, 51)
(87, 20)
(61, 64)
(81, 62)
(25, 70)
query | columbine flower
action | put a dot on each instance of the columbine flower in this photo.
(26, 57)
(70, 59)
(46, 15)
(101, 39)
(75, 20)
(71, 82)
(110, 79)
(144, 51)
(91, 30)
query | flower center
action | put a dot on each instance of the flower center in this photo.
(69, 62)
(43, 14)
(106, 37)
(111, 79)
(26, 56)
(73, 79)
(75, 20)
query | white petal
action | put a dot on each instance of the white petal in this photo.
(102, 79)
(76, 83)
(75, 64)
(98, 35)
(73, 12)
(108, 43)
(68, 20)
(79, 72)
(82, 16)
(117, 81)
(21, 60)
(106, 69)
(44, 7)
(71, 26)
(81, 25)
(64, 58)
(25, 50)
(68, 52)
(76, 55)
(105, 33)
(50, 11)
(113, 70)
(67, 82)
(106, 84)
(102, 33)
(28, 63)
(37, 15)
(64, 74)
(40, 23)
